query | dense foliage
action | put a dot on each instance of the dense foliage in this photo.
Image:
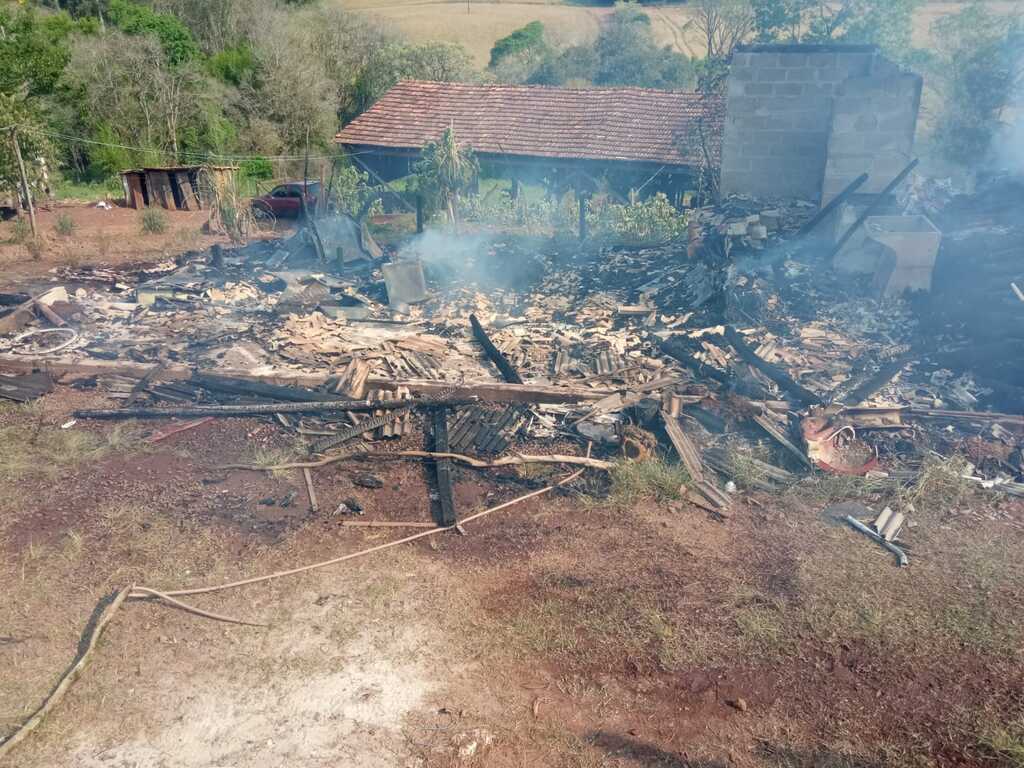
(978, 67)
(527, 38)
(624, 53)
(118, 83)
(99, 85)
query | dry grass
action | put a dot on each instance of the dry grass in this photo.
(594, 627)
(269, 456)
(477, 25)
(940, 487)
(1005, 741)
(38, 450)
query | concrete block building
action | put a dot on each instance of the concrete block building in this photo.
(803, 121)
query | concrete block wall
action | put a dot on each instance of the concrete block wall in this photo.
(782, 104)
(873, 124)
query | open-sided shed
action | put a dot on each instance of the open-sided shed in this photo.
(178, 187)
(631, 134)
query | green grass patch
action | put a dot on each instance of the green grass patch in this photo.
(70, 189)
(650, 479)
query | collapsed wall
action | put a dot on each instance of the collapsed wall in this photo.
(803, 121)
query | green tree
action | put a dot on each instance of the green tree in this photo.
(528, 38)
(127, 93)
(977, 68)
(624, 53)
(175, 38)
(388, 64)
(34, 49)
(17, 110)
(885, 23)
(444, 171)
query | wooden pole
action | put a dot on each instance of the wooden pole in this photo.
(24, 181)
(583, 211)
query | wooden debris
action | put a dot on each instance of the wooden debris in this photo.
(491, 391)
(443, 466)
(22, 389)
(508, 372)
(386, 524)
(776, 374)
(684, 447)
(261, 409)
(163, 434)
(307, 476)
(773, 432)
(237, 386)
(353, 381)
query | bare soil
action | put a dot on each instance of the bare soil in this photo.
(98, 237)
(569, 630)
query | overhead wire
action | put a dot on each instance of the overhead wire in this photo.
(204, 156)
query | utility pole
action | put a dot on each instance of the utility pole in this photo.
(24, 181)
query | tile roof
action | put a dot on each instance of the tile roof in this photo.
(627, 124)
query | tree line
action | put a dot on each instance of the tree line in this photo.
(90, 82)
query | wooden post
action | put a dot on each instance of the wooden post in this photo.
(419, 214)
(24, 181)
(583, 211)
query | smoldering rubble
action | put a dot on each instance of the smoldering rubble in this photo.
(753, 350)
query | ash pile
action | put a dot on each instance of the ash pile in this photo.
(774, 342)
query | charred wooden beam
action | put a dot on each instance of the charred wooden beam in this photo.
(235, 386)
(491, 391)
(834, 203)
(258, 409)
(784, 380)
(443, 467)
(871, 208)
(871, 385)
(508, 371)
(676, 348)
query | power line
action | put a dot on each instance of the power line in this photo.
(169, 153)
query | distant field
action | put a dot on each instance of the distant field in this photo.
(486, 21)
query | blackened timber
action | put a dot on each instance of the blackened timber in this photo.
(508, 372)
(871, 385)
(677, 348)
(235, 386)
(773, 372)
(834, 203)
(443, 467)
(879, 199)
(257, 409)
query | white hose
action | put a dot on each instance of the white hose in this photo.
(20, 339)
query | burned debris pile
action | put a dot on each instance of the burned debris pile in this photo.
(738, 348)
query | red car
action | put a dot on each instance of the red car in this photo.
(285, 200)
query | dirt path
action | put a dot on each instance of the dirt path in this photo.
(575, 631)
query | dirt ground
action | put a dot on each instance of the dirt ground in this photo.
(596, 626)
(94, 236)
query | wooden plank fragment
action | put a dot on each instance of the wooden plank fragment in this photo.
(684, 447)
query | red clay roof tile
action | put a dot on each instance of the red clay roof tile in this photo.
(627, 124)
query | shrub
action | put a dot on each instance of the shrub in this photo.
(258, 168)
(65, 225)
(21, 230)
(154, 221)
(652, 221)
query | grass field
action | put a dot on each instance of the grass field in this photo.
(476, 24)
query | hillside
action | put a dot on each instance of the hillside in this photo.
(476, 25)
